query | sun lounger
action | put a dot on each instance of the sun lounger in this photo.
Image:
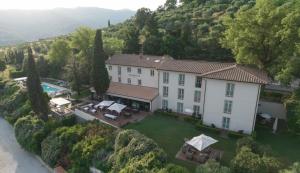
(86, 108)
(110, 116)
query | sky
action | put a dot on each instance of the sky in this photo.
(110, 4)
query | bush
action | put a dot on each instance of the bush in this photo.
(60, 142)
(295, 168)
(255, 147)
(212, 166)
(135, 151)
(246, 162)
(84, 151)
(201, 126)
(171, 168)
(191, 119)
(166, 113)
(28, 132)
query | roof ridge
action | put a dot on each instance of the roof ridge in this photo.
(253, 75)
(219, 70)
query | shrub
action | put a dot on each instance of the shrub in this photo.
(253, 145)
(28, 133)
(166, 113)
(201, 126)
(174, 169)
(60, 142)
(191, 119)
(295, 168)
(247, 162)
(84, 151)
(135, 151)
(212, 166)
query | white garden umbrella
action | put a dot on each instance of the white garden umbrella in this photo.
(201, 142)
(117, 107)
(104, 103)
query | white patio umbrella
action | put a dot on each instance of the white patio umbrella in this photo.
(201, 142)
(117, 107)
(104, 103)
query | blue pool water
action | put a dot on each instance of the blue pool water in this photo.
(48, 89)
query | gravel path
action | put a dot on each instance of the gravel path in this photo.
(13, 159)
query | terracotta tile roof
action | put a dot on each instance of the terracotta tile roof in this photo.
(189, 66)
(148, 61)
(139, 92)
(214, 70)
(239, 73)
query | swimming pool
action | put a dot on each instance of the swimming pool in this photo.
(49, 89)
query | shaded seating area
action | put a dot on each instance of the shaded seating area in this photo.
(60, 106)
(198, 150)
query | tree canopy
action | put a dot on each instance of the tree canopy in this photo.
(100, 79)
(266, 35)
(38, 99)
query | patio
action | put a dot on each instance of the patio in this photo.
(115, 114)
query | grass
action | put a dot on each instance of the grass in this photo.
(170, 132)
(284, 145)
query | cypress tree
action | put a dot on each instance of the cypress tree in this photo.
(100, 79)
(37, 98)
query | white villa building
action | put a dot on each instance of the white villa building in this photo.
(225, 95)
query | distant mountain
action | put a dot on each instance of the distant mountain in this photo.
(27, 25)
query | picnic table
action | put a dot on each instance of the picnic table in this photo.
(110, 116)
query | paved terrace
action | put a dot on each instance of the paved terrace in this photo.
(121, 121)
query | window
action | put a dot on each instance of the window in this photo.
(165, 104)
(119, 70)
(179, 107)
(229, 89)
(197, 96)
(110, 67)
(139, 71)
(139, 82)
(119, 79)
(129, 69)
(181, 79)
(165, 77)
(180, 94)
(129, 81)
(198, 82)
(165, 91)
(196, 109)
(227, 106)
(225, 123)
(151, 72)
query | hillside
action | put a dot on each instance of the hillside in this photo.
(26, 25)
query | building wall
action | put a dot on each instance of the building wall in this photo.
(189, 89)
(244, 104)
(145, 77)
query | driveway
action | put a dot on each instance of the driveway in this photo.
(13, 159)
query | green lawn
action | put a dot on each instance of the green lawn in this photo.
(169, 133)
(285, 146)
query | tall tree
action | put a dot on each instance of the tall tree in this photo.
(265, 35)
(100, 79)
(38, 99)
(2, 65)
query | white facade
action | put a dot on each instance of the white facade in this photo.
(146, 78)
(244, 105)
(181, 93)
(189, 89)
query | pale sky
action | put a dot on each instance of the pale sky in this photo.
(110, 4)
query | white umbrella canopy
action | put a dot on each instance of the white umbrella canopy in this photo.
(104, 103)
(201, 142)
(117, 107)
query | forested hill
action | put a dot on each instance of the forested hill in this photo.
(26, 25)
(190, 29)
